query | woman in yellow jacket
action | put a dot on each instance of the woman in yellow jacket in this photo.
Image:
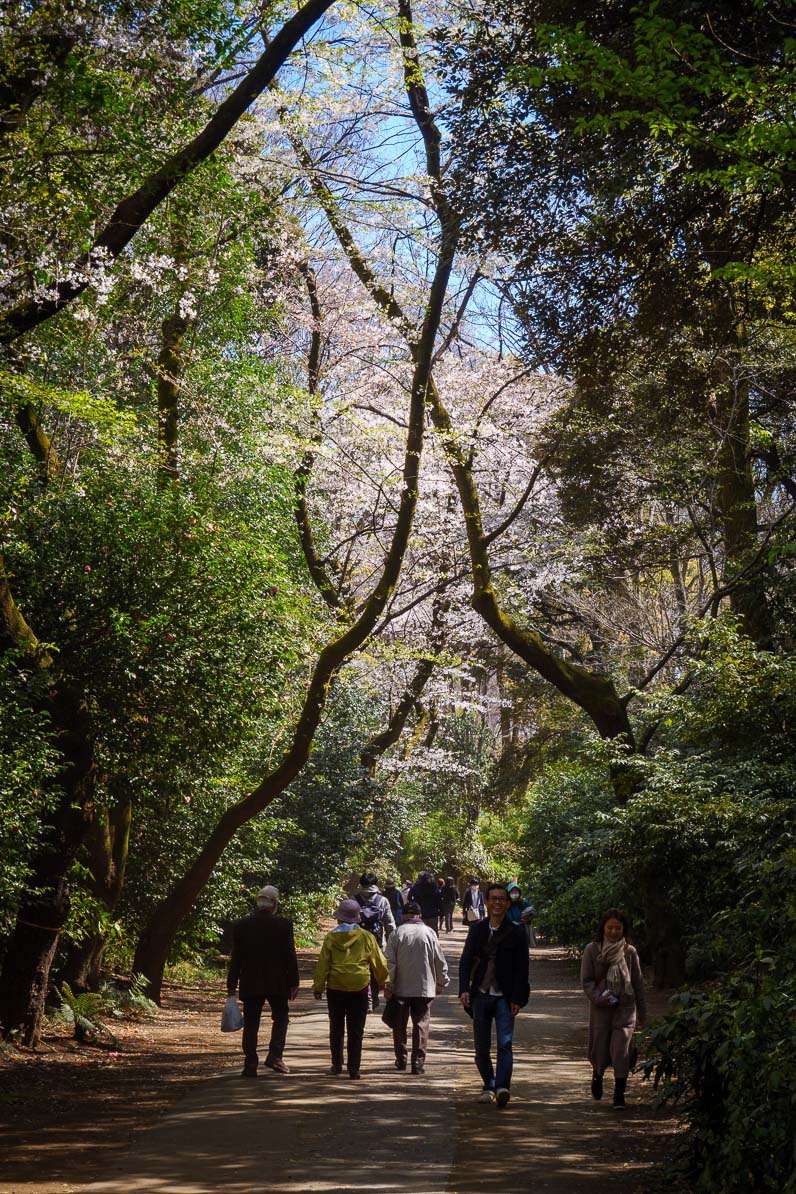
(348, 956)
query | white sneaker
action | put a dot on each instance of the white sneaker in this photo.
(502, 1097)
(486, 1095)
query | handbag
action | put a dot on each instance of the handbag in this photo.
(392, 1011)
(472, 915)
(231, 1016)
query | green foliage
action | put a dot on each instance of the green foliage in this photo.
(88, 915)
(567, 825)
(719, 785)
(727, 1054)
(128, 1001)
(440, 791)
(305, 908)
(204, 626)
(116, 94)
(29, 762)
(121, 1001)
(83, 1010)
(711, 826)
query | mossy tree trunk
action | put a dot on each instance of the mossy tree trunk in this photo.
(106, 840)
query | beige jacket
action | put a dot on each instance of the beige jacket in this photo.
(416, 962)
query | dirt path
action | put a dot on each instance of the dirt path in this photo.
(398, 1134)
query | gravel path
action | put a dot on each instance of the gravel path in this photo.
(398, 1134)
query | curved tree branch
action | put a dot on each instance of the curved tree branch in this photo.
(315, 564)
(594, 692)
(157, 936)
(135, 209)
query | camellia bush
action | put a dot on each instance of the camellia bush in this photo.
(727, 1054)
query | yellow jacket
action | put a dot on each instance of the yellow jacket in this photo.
(347, 959)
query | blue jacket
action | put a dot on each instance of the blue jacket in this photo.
(511, 962)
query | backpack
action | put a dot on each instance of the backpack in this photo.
(370, 918)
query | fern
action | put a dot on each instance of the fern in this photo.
(130, 1001)
(83, 1009)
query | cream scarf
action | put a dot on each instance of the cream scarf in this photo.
(617, 979)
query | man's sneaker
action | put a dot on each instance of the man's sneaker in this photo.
(248, 1072)
(334, 1071)
(356, 1074)
(502, 1097)
(486, 1096)
(400, 1065)
(276, 1063)
(418, 1069)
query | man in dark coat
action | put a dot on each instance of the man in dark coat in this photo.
(425, 892)
(493, 986)
(264, 960)
(450, 898)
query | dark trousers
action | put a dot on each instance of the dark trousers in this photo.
(447, 915)
(348, 1013)
(252, 1011)
(419, 1008)
(432, 922)
(373, 986)
(486, 1010)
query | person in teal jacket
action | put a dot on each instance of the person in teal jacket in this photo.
(517, 904)
(348, 957)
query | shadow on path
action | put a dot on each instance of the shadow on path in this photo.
(392, 1133)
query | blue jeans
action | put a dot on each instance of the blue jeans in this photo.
(487, 1008)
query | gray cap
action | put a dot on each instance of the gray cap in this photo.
(267, 897)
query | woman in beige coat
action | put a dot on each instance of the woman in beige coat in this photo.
(611, 978)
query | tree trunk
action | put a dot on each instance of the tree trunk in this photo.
(381, 742)
(170, 370)
(737, 503)
(44, 906)
(105, 845)
(156, 938)
(594, 692)
(83, 968)
(665, 939)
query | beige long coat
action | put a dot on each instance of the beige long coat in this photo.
(611, 1028)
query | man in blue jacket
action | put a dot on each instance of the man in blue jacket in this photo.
(493, 986)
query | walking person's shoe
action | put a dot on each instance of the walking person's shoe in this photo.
(277, 1064)
(400, 1064)
(487, 1095)
(334, 1071)
(355, 1074)
(619, 1092)
(248, 1072)
(502, 1096)
(419, 1068)
(596, 1086)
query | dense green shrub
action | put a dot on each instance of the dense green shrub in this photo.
(568, 825)
(727, 1054)
(28, 762)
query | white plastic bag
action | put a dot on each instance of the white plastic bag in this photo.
(231, 1016)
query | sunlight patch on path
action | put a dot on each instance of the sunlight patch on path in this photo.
(388, 1133)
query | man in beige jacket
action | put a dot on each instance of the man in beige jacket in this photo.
(418, 972)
